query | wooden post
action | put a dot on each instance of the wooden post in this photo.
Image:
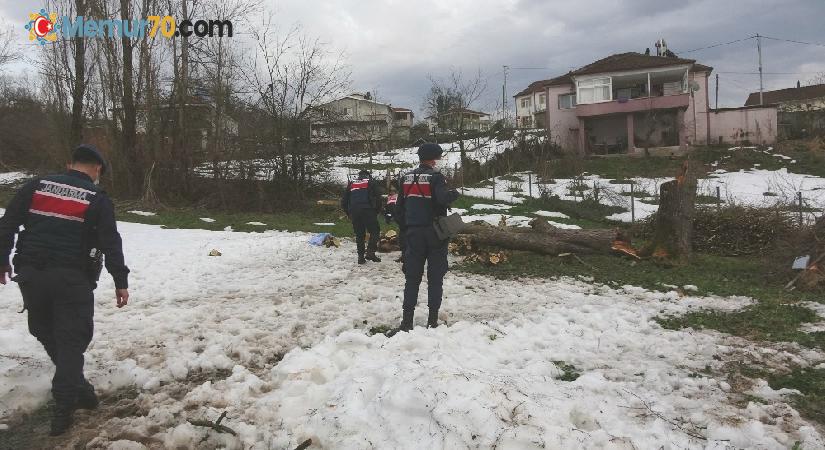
(494, 187)
(633, 203)
(530, 184)
(718, 197)
(801, 221)
(596, 191)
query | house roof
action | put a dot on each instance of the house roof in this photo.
(634, 61)
(787, 95)
(538, 86)
(401, 109)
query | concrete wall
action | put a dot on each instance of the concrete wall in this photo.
(734, 126)
(562, 123)
(699, 134)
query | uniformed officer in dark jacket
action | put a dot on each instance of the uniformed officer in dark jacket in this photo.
(393, 214)
(68, 222)
(362, 203)
(424, 197)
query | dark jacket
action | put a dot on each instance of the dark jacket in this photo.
(361, 194)
(424, 196)
(65, 217)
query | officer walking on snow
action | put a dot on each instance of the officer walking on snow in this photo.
(69, 221)
(423, 198)
(362, 203)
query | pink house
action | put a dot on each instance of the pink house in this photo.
(623, 103)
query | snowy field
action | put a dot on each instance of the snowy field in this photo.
(755, 187)
(274, 333)
(345, 167)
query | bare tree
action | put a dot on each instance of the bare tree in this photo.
(9, 52)
(290, 74)
(450, 99)
(818, 79)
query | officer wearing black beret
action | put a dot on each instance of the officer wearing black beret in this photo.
(424, 196)
(69, 225)
(361, 201)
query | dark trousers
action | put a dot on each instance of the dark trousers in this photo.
(363, 221)
(423, 246)
(60, 302)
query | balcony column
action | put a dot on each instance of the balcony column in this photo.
(631, 144)
(582, 137)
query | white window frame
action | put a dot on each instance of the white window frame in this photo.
(592, 85)
(542, 102)
(525, 102)
(572, 96)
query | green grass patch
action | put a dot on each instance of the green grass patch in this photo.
(528, 209)
(811, 383)
(569, 371)
(296, 220)
(763, 321)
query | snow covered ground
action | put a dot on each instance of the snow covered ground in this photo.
(13, 177)
(346, 167)
(274, 333)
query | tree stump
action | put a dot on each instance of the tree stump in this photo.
(673, 223)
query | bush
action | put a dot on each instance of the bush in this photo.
(736, 230)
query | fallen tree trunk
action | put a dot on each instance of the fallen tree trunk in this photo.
(543, 238)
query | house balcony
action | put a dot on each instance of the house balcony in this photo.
(632, 105)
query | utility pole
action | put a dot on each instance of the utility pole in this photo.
(759, 49)
(717, 91)
(504, 96)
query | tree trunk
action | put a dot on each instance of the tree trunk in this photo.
(673, 229)
(79, 88)
(545, 239)
(129, 136)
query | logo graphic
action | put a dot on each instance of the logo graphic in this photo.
(42, 27)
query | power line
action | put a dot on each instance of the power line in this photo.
(793, 41)
(769, 73)
(718, 45)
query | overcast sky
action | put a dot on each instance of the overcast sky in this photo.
(393, 45)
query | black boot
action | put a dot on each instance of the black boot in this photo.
(432, 319)
(361, 259)
(406, 323)
(371, 256)
(86, 398)
(61, 419)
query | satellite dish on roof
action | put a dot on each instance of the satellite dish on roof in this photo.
(693, 86)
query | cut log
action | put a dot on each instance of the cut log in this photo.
(543, 238)
(673, 224)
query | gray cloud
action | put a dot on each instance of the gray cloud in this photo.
(392, 45)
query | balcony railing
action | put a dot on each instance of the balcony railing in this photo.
(633, 105)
